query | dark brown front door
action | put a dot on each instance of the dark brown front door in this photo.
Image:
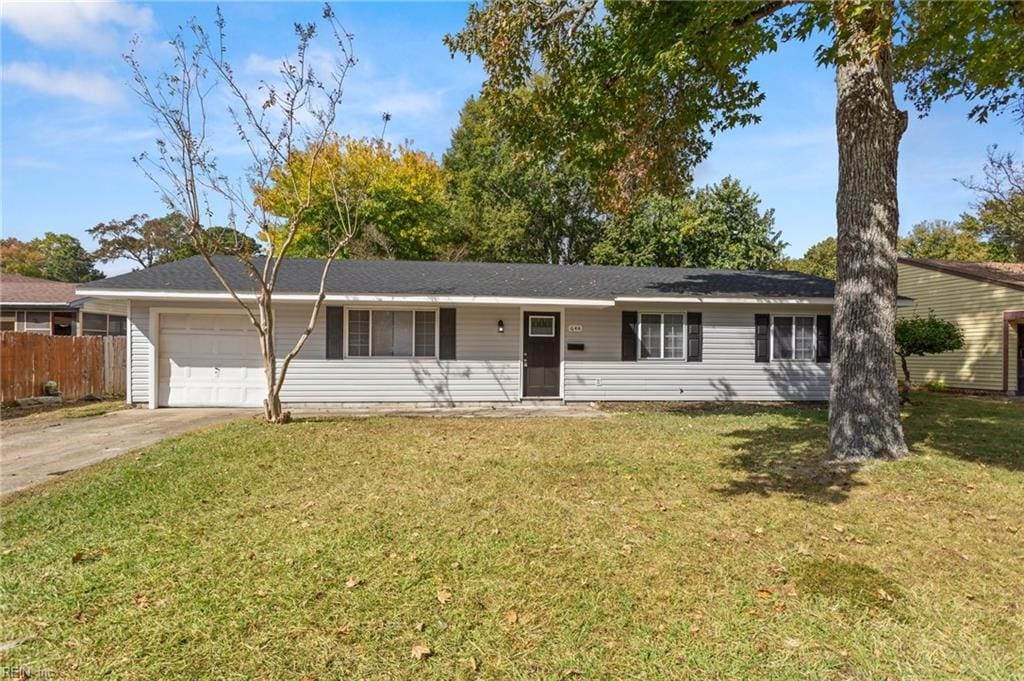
(541, 362)
(1020, 359)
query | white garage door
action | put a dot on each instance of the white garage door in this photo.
(209, 360)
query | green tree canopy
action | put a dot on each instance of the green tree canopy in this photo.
(218, 241)
(819, 260)
(59, 257)
(719, 226)
(395, 194)
(510, 205)
(944, 240)
(139, 238)
(66, 259)
(925, 336)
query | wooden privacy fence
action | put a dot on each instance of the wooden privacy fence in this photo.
(81, 365)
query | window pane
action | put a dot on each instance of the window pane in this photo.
(782, 338)
(542, 326)
(359, 333)
(94, 324)
(804, 342)
(401, 342)
(425, 325)
(383, 333)
(650, 335)
(675, 336)
(37, 322)
(118, 326)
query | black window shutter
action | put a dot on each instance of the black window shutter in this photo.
(335, 333)
(447, 333)
(628, 336)
(823, 346)
(762, 324)
(694, 337)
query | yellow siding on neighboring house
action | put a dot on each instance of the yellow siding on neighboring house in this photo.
(977, 307)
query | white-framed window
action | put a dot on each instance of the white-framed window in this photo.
(542, 326)
(37, 322)
(391, 333)
(662, 335)
(793, 337)
(8, 321)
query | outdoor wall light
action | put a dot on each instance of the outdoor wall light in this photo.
(501, 326)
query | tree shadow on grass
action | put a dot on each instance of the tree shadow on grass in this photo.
(788, 458)
(982, 430)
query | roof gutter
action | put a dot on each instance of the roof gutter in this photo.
(348, 298)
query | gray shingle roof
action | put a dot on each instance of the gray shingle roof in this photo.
(479, 279)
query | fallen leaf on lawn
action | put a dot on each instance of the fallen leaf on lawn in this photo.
(474, 664)
(759, 531)
(344, 629)
(443, 596)
(421, 652)
(884, 595)
(764, 594)
(511, 616)
(793, 643)
(305, 524)
(839, 528)
(261, 593)
(694, 628)
(418, 626)
(308, 504)
(141, 600)
(626, 549)
(353, 582)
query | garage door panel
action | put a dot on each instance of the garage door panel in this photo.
(209, 360)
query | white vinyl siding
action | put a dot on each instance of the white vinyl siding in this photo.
(728, 370)
(488, 364)
(487, 368)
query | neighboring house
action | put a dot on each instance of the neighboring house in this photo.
(448, 332)
(986, 300)
(53, 308)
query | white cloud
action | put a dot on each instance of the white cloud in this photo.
(94, 88)
(95, 26)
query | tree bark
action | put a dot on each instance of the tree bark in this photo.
(864, 413)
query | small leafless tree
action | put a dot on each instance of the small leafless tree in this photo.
(272, 121)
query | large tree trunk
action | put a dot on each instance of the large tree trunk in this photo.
(864, 414)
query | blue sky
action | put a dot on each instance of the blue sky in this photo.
(70, 125)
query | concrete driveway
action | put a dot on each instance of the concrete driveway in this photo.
(39, 451)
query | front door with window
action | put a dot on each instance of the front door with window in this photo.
(541, 361)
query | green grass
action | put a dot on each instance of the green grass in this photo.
(701, 543)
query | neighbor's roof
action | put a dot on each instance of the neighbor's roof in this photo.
(469, 280)
(1009, 274)
(18, 289)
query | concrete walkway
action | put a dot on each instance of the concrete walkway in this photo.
(29, 455)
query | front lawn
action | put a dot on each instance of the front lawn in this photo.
(703, 543)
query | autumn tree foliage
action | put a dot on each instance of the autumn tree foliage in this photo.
(399, 191)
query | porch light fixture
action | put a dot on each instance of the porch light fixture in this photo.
(501, 326)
